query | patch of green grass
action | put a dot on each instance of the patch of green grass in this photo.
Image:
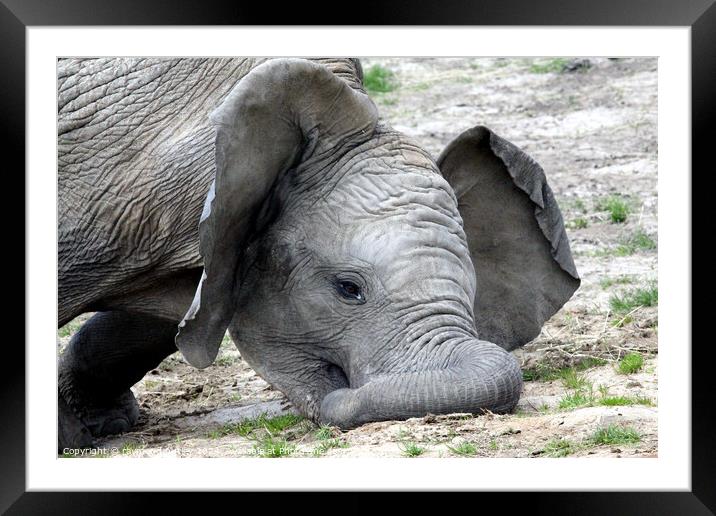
(552, 66)
(272, 425)
(559, 448)
(329, 444)
(577, 399)
(541, 373)
(638, 241)
(622, 304)
(641, 240)
(493, 445)
(620, 323)
(218, 433)
(167, 364)
(403, 434)
(464, 79)
(324, 432)
(465, 449)
(615, 401)
(411, 449)
(273, 447)
(620, 401)
(583, 396)
(621, 280)
(620, 250)
(279, 423)
(615, 434)
(617, 208)
(580, 206)
(150, 385)
(589, 362)
(572, 379)
(378, 79)
(630, 363)
(546, 373)
(70, 328)
(578, 223)
(225, 360)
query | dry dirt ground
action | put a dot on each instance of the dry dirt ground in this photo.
(592, 125)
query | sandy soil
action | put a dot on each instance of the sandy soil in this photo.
(592, 126)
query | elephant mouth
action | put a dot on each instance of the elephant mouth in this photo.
(328, 378)
(337, 377)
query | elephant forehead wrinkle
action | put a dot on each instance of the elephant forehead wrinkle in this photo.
(370, 195)
(387, 152)
(406, 222)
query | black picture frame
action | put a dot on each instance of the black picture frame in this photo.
(699, 15)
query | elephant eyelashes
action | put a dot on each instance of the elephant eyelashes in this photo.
(351, 291)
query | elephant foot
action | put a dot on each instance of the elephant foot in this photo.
(79, 426)
(116, 417)
(110, 353)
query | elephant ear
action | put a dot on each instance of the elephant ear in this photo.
(281, 114)
(515, 232)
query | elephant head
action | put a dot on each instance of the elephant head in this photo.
(357, 275)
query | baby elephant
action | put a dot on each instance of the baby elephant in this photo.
(356, 274)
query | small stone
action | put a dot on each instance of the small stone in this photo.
(576, 65)
(429, 419)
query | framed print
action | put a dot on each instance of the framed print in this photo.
(457, 247)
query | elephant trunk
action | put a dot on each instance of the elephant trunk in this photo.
(483, 376)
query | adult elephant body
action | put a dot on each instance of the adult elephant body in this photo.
(356, 274)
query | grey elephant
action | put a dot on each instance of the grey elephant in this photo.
(356, 274)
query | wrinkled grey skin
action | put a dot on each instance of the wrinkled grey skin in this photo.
(356, 274)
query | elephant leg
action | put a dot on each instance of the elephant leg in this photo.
(110, 353)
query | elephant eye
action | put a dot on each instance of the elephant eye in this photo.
(350, 290)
